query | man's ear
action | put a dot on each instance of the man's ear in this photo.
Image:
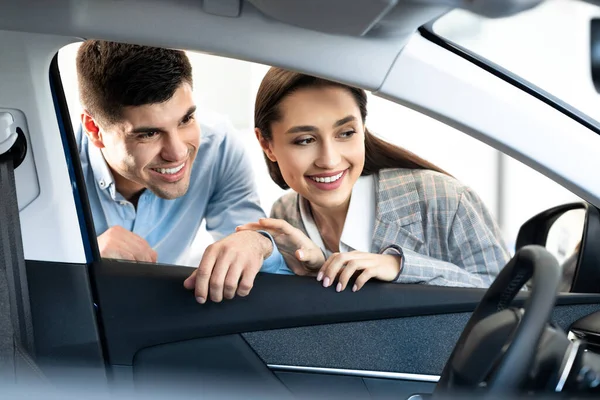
(91, 129)
(265, 144)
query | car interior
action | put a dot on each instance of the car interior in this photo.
(75, 324)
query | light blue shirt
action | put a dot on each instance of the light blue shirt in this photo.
(221, 191)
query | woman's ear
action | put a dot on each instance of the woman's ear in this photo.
(265, 144)
(91, 129)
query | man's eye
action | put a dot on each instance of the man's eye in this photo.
(188, 119)
(147, 135)
(304, 142)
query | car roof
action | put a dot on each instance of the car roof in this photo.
(355, 41)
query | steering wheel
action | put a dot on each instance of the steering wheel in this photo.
(498, 345)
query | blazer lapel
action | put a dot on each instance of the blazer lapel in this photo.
(398, 216)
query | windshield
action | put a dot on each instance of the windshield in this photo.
(548, 46)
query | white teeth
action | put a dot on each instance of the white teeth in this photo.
(169, 171)
(327, 179)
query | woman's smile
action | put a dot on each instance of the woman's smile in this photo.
(327, 181)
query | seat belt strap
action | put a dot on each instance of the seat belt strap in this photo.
(16, 327)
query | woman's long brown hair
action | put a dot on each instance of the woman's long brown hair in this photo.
(279, 83)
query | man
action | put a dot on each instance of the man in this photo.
(153, 172)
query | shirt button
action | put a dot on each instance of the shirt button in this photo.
(102, 184)
(123, 203)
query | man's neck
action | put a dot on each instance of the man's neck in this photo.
(131, 191)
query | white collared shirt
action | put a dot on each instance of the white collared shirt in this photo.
(360, 219)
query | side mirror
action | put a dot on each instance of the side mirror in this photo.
(569, 232)
(595, 52)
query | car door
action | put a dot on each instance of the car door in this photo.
(134, 326)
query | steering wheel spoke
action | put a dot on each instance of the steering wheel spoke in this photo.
(498, 346)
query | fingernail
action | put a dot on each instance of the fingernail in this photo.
(200, 300)
(326, 282)
(300, 254)
(354, 288)
(338, 288)
(319, 276)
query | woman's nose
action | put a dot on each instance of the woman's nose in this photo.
(329, 156)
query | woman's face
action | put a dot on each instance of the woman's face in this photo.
(319, 144)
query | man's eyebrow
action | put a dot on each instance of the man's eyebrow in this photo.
(310, 128)
(189, 112)
(146, 129)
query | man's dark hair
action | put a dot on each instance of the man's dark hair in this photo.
(114, 75)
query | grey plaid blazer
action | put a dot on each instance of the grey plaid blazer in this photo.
(447, 235)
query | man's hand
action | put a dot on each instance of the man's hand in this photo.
(366, 265)
(119, 243)
(300, 253)
(229, 266)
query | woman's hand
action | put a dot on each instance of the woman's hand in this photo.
(300, 253)
(343, 266)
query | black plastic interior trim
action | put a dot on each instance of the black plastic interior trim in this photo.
(145, 305)
(63, 318)
(72, 157)
(428, 33)
(78, 183)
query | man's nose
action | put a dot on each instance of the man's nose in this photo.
(174, 148)
(329, 156)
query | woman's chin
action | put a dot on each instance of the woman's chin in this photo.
(330, 201)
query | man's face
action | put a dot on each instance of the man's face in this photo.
(153, 146)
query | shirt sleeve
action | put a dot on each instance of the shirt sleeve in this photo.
(476, 248)
(235, 199)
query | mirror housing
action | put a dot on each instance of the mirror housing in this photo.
(595, 52)
(586, 278)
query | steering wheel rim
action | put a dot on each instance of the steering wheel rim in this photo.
(530, 262)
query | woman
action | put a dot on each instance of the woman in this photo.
(361, 205)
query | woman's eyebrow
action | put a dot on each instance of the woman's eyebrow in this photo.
(302, 128)
(344, 120)
(310, 128)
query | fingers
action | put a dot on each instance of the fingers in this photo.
(232, 279)
(312, 258)
(118, 242)
(363, 278)
(217, 279)
(331, 268)
(228, 266)
(247, 281)
(274, 223)
(347, 272)
(343, 266)
(203, 274)
(252, 226)
(190, 281)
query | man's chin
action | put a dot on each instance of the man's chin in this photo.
(170, 193)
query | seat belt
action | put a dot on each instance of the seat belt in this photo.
(16, 329)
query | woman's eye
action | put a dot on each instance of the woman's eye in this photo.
(347, 134)
(304, 142)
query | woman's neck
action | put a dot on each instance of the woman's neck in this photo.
(330, 223)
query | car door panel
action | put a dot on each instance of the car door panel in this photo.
(65, 330)
(289, 333)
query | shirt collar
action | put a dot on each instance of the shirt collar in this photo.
(102, 175)
(360, 219)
